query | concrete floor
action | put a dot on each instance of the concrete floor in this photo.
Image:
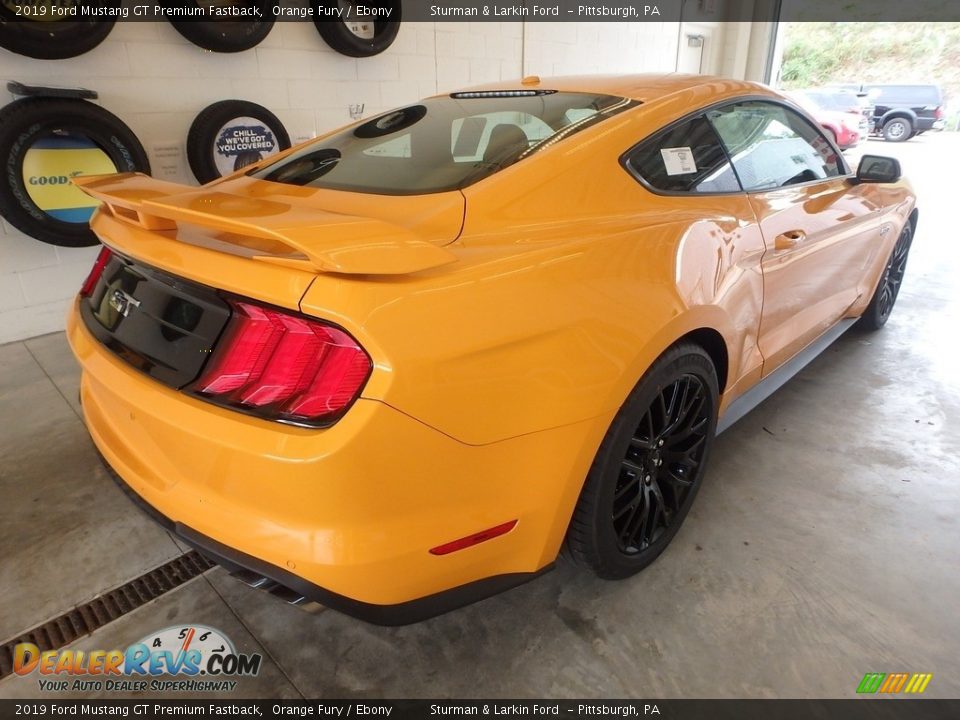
(824, 544)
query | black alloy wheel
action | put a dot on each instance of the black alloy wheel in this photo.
(885, 296)
(649, 466)
(657, 471)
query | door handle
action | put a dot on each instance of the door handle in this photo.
(789, 239)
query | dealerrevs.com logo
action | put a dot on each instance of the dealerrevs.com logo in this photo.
(192, 658)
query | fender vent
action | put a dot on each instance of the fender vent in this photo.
(84, 619)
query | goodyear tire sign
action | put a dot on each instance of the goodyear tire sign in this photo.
(51, 163)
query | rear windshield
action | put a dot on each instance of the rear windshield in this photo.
(442, 143)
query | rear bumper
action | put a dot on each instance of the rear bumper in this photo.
(344, 515)
(294, 589)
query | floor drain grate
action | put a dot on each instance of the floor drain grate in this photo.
(106, 608)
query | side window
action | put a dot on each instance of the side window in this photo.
(686, 158)
(772, 146)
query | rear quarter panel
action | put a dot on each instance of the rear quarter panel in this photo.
(572, 279)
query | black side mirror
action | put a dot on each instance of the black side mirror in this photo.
(878, 169)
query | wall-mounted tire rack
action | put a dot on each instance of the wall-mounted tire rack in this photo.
(352, 36)
(48, 138)
(38, 36)
(226, 36)
(230, 135)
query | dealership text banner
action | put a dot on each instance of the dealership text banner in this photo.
(486, 11)
(673, 709)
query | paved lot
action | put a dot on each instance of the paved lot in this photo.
(823, 545)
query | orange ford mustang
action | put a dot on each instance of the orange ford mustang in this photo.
(397, 368)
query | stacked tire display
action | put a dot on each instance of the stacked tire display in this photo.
(38, 36)
(53, 136)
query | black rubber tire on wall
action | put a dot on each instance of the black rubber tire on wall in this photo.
(226, 36)
(338, 36)
(53, 39)
(206, 128)
(22, 124)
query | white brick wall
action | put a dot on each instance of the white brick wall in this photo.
(157, 82)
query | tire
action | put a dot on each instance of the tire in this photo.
(338, 35)
(226, 36)
(36, 196)
(632, 457)
(211, 150)
(888, 289)
(897, 130)
(52, 39)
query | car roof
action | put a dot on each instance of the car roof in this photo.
(644, 87)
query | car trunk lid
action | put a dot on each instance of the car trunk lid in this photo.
(160, 324)
(178, 251)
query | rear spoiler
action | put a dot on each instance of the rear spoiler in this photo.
(283, 234)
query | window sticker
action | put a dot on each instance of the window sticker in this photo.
(678, 161)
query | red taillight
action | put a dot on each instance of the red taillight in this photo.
(96, 271)
(938, 114)
(283, 366)
(475, 539)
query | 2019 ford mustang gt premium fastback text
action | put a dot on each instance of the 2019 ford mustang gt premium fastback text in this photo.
(401, 366)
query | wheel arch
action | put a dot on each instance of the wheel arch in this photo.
(707, 326)
(715, 346)
(899, 113)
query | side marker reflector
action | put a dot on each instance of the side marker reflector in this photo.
(474, 539)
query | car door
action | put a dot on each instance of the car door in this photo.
(718, 257)
(819, 229)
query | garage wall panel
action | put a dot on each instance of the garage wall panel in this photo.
(156, 82)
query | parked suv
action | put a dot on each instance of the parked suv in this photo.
(902, 111)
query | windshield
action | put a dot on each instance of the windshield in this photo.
(442, 143)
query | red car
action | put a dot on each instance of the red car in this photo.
(847, 127)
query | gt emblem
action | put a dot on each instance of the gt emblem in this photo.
(884, 230)
(122, 302)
